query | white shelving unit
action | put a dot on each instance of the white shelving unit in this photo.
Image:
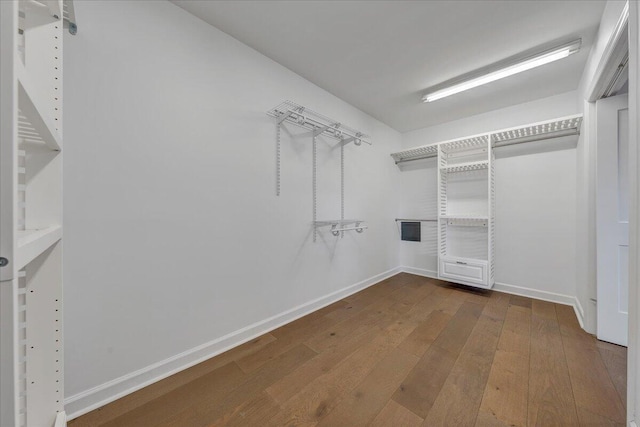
(466, 195)
(31, 349)
(465, 211)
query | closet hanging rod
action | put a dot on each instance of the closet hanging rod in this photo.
(334, 129)
(508, 142)
(335, 231)
(533, 138)
(425, 156)
(416, 220)
(338, 222)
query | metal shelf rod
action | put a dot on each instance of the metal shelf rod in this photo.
(335, 230)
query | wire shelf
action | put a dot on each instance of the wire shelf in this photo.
(290, 112)
(467, 167)
(563, 126)
(423, 152)
(465, 144)
(465, 221)
(542, 130)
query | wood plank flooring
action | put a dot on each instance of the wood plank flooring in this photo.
(409, 351)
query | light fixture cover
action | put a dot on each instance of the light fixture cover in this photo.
(506, 69)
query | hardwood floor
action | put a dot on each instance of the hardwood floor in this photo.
(408, 351)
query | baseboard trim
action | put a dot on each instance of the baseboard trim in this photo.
(535, 293)
(577, 307)
(420, 272)
(88, 400)
(517, 290)
(544, 296)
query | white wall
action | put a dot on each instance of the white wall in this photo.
(174, 237)
(586, 173)
(535, 201)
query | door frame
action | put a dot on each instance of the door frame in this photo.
(633, 373)
(606, 203)
(626, 31)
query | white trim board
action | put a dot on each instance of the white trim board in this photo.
(88, 400)
(517, 290)
(420, 272)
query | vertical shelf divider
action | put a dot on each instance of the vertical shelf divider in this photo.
(31, 341)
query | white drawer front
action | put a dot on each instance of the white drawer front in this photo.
(465, 271)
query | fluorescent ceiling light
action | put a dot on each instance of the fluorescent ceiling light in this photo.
(507, 69)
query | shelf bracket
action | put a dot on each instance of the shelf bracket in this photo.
(69, 17)
(54, 8)
(320, 131)
(284, 116)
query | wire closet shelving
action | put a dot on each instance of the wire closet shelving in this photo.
(466, 195)
(556, 128)
(319, 125)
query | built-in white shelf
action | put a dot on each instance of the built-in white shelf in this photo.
(465, 207)
(34, 124)
(467, 167)
(465, 221)
(464, 145)
(41, 12)
(32, 243)
(469, 217)
(32, 350)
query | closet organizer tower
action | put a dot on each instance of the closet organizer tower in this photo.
(466, 205)
(31, 349)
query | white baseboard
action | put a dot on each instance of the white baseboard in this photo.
(420, 272)
(518, 290)
(98, 396)
(577, 307)
(544, 296)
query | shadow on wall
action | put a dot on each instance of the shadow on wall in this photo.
(431, 162)
(536, 147)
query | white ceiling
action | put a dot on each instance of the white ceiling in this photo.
(380, 56)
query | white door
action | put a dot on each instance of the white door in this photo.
(612, 216)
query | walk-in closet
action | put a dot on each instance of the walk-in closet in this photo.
(319, 213)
